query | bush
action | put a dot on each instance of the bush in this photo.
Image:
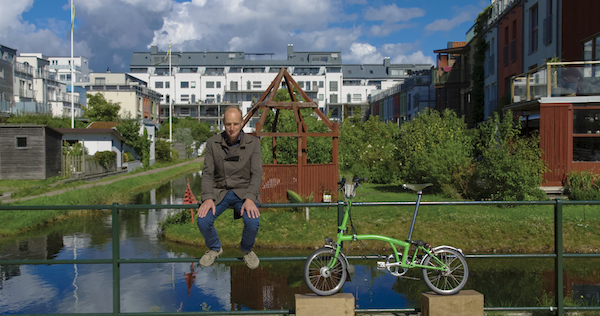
(367, 149)
(163, 151)
(105, 158)
(509, 166)
(436, 148)
(127, 156)
(583, 186)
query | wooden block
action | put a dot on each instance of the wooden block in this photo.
(341, 304)
(465, 303)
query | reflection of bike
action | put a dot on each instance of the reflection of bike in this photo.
(444, 268)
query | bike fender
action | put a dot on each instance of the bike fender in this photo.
(345, 260)
(447, 247)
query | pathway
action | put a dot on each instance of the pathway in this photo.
(101, 182)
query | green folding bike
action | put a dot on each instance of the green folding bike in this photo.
(444, 268)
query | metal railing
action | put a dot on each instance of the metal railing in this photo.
(116, 261)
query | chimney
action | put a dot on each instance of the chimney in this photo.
(290, 51)
(386, 62)
(107, 70)
(154, 50)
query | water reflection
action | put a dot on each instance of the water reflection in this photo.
(170, 287)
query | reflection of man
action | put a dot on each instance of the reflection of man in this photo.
(231, 178)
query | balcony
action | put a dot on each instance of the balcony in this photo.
(557, 79)
(77, 68)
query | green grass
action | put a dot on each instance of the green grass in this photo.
(473, 228)
(119, 191)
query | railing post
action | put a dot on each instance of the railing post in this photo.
(340, 216)
(115, 260)
(558, 248)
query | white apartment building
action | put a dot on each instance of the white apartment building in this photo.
(62, 67)
(37, 89)
(202, 84)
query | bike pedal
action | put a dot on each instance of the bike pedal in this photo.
(381, 265)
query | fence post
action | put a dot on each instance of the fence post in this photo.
(558, 248)
(115, 260)
(340, 216)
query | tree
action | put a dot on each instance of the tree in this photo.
(319, 149)
(436, 148)
(100, 109)
(198, 131)
(130, 129)
(367, 149)
(510, 166)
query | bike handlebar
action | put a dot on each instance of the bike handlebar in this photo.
(355, 180)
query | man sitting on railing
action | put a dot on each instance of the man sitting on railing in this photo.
(231, 178)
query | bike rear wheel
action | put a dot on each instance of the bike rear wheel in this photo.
(450, 281)
(321, 279)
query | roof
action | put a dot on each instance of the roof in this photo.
(103, 124)
(85, 131)
(14, 125)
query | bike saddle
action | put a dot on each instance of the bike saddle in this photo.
(417, 187)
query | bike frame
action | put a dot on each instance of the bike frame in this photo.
(391, 241)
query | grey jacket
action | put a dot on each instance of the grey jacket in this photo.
(227, 168)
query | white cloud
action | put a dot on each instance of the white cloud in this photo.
(464, 14)
(415, 58)
(391, 13)
(400, 53)
(365, 53)
(387, 29)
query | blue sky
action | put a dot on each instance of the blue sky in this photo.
(108, 31)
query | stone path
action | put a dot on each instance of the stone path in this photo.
(101, 182)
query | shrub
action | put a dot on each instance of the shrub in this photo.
(583, 186)
(105, 158)
(367, 149)
(163, 151)
(127, 156)
(509, 166)
(436, 148)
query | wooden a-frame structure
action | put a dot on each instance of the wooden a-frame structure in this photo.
(308, 178)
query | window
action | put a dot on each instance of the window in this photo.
(167, 84)
(210, 84)
(587, 122)
(158, 85)
(548, 23)
(333, 86)
(248, 85)
(21, 142)
(210, 98)
(184, 84)
(184, 111)
(256, 84)
(513, 42)
(321, 84)
(308, 85)
(349, 98)
(192, 84)
(63, 77)
(356, 97)
(184, 97)
(333, 98)
(315, 84)
(321, 97)
(301, 84)
(533, 29)
(233, 85)
(98, 81)
(218, 84)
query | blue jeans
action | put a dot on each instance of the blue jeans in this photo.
(210, 233)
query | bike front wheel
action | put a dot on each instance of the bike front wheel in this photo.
(451, 280)
(320, 278)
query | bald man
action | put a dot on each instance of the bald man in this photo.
(231, 178)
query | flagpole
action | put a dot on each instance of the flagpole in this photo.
(172, 98)
(72, 65)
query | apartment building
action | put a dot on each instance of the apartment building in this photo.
(7, 56)
(201, 84)
(62, 66)
(37, 89)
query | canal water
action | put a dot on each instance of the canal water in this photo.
(172, 287)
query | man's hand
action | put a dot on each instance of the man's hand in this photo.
(250, 207)
(207, 206)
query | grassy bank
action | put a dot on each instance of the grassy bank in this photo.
(119, 192)
(475, 229)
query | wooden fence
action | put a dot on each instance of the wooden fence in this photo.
(83, 165)
(316, 179)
